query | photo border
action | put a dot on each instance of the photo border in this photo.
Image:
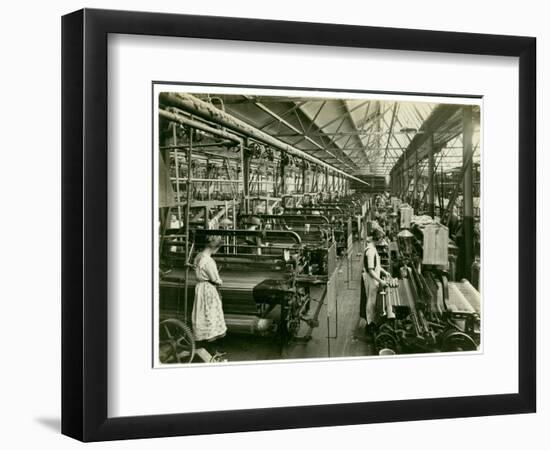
(154, 201)
(84, 224)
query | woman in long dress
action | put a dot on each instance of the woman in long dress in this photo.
(372, 281)
(207, 317)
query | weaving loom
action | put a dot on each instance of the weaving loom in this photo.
(425, 312)
(261, 293)
(316, 234)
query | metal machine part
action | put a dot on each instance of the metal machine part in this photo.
(176, 343)
(316, 234)
(425, 313)
(243, 324)
(262, 294)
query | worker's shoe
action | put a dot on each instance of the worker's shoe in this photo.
(219, 357)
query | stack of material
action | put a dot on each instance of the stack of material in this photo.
(439, 306)
(406, 216)
(392, 299)
(167, 197)
(422, 221)
(436, 245)
(406, 295)
(470, 294)
(463, 297)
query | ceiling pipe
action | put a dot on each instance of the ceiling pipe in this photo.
(175, 117)
(207, 111)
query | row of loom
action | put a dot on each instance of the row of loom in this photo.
(268, 270)
(425, 312)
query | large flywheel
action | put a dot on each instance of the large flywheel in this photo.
(457, 341)
(176, 342)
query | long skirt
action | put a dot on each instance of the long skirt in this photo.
(207, 317)
(369, 294)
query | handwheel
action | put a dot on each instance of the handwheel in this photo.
(176, 342)
(294, 315)
(291, 325)
(385, 340)
(457, 341)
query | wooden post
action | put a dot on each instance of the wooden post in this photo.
(283, 175)
(176, 163)
(467, 189)
(246, 177)
(187, 213)
(431, 181)
(415, 191)
(406, 177)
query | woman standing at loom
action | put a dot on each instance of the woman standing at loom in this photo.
(207, 317)
(372, 281)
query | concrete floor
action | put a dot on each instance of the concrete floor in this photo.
(340, 332)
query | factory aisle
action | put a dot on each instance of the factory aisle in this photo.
(340, 333)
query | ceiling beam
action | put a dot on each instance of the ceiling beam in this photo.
(285, 113)
(351, 164)
(390, 134)
(207, 111)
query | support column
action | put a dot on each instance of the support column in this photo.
(431, 169)
(189, 188)
(304, 173)
(177, 167)
(246, 177)
(395, 175)
(282, 165)
(415, 192)
(400, 180)
(406, 178)
(275, 180)
(314, 180)
(467, 189)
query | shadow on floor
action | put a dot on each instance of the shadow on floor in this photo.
(52, 423)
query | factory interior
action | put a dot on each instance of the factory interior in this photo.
(339, 227)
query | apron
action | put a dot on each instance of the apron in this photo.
(207, 316)
(370, 287)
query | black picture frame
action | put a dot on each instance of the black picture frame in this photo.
(84, 224)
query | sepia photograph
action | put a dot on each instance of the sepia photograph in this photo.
(296, 222)
(314, 224)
